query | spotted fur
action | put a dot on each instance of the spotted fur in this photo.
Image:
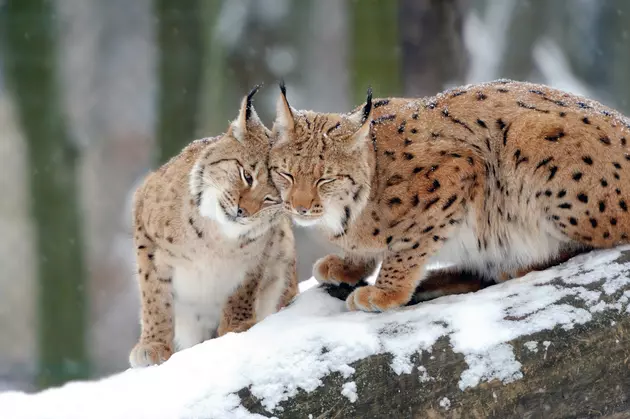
(215, 252)
(497, 178)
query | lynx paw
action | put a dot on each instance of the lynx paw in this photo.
(236, 328)
(332, 270)
(152, 353)
(372, 298)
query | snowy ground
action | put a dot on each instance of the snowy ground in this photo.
(296, 348)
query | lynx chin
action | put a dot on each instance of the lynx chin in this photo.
(498, 179)
(215, 253)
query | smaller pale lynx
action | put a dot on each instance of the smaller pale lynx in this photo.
(215, 253)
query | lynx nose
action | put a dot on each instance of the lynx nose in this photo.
(302, 210)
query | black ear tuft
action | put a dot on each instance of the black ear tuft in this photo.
(368, 105)
(250, 96)
(283, 88)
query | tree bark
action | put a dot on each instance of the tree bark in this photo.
(433, 52)
(30, 56)
(180, 26)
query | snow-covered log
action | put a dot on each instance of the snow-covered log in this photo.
(551, 344)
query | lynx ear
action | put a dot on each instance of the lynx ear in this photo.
(247, 117)
(364, 120)
(284, 122)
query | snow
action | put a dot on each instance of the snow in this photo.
(295, 349)
(445, 403)
(349, 390)
(532, 345)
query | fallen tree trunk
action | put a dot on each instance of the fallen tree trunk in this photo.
(582, 372)
(552, 344)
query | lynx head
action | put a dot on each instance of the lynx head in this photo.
(230, 181)
(321, 163)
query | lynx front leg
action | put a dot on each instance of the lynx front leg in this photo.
(400, 273)
(238, 312)
(156, 340)
(334, 270)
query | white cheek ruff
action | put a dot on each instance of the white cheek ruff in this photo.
(332, 219)
(302, 222)
(210, 208)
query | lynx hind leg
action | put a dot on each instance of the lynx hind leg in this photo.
(335, 270)
(239, 312)
(156, 340)
(442, 282)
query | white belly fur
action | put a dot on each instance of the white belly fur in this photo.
(523, 245)
(200, 292)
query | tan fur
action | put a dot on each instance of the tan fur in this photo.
(204, 264)
(499, 178)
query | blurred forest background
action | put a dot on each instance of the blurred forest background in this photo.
(95, 93)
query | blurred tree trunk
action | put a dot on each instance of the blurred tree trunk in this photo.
(218, 103)
(529, 23)
(433, 52)
(180, 26)
(375, 51)
(618, 36)
(31, 64)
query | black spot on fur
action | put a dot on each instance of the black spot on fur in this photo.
(426, 230)
(401, 128)
(573, 221)
(450, 201)
(408, 156)
(394, 201)
(565, 205)
(603, 182)
(577, 176)
(382, 102)
(552, 172)
(376, 232)
(582, 197)
(623, 205)
(434, 187)
(562, 193)
(555, 136)
(481, 123)
(431, 203)
(588, 160)
(605, 140)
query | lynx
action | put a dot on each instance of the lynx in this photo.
(215, 253)
(499, 179)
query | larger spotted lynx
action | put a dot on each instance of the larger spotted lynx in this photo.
(215, 252)
(499, 178)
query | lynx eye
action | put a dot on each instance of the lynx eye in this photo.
(270, 200)
(286, 175)
(324, 181)
(247, 177)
